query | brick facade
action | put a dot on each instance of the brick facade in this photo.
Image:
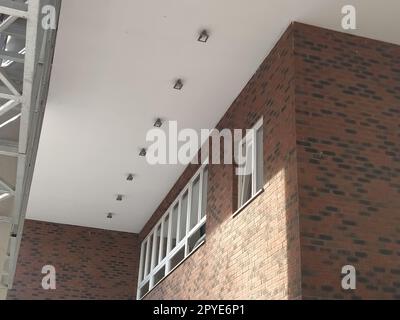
(90, 263)
(256, 254)
(331, 108)
(348, 151)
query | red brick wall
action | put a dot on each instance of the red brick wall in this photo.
(338, 96)
(348, 112)
(90, 263)
(254, 255)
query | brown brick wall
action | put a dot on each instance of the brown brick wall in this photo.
(90, 263)
(348, 111)
(254, 255)
(331, 108)
(338, 96)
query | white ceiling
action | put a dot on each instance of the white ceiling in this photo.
(114, 66)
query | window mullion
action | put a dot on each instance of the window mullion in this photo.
(178, 225)
(168, 240)
(161, 241)
(200, 196)
(146, 264)
(253, 164)
(188, 217)
(141, 265)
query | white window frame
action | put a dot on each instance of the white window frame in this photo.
(157, 263)
(250, 139)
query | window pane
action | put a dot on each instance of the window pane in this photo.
(143, 259)
(157, 238)
(260, 159)
(164, 240)
(159, 275)
(194, 211)
(182, 223)
(197, 237)
(174, 226)
(148, 255)
(177, 258)
(204, 193)
(245, 176)
(144, 290)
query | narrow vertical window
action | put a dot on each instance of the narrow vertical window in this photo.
(156, 246)
(142, 260)
(204, 193)
(148, 255)
(164, 239)
(250, 165)
(184, 212)
(174, 226)
(259, 159)
(245, 173)
(194, 211)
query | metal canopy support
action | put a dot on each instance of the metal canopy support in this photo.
(9, 84)
(7, 23)
(9, 105)
(8, 148)
(13, 8)
(5, 187)
(31, 99)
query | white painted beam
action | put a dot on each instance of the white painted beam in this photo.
(9, 105)
(15, 30)
(5, 187)
(8, 82)
(13, 56)
(32, 26)
(13, 8)
(8, 148)
(6, 23)
(10, 97)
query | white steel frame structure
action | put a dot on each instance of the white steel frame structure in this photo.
(30, 103)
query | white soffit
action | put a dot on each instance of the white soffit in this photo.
(114, 66)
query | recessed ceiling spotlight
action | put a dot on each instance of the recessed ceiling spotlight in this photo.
(158, 123)
(119, 197)
(178, 84)
(129, 177)
(203, 37)
(142, 152)
(110, 215)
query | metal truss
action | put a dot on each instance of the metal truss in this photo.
(24, 99)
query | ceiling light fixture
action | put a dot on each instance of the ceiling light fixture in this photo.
(129, 177)
(203, 37)
(178, 84)
(158, 123)
(10, 120)
(142, 152)
(119, 197)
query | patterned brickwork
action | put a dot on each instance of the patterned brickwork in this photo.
(345, 168)
(348, 138)
(254, 255)
(331, 108)
(90, 263)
